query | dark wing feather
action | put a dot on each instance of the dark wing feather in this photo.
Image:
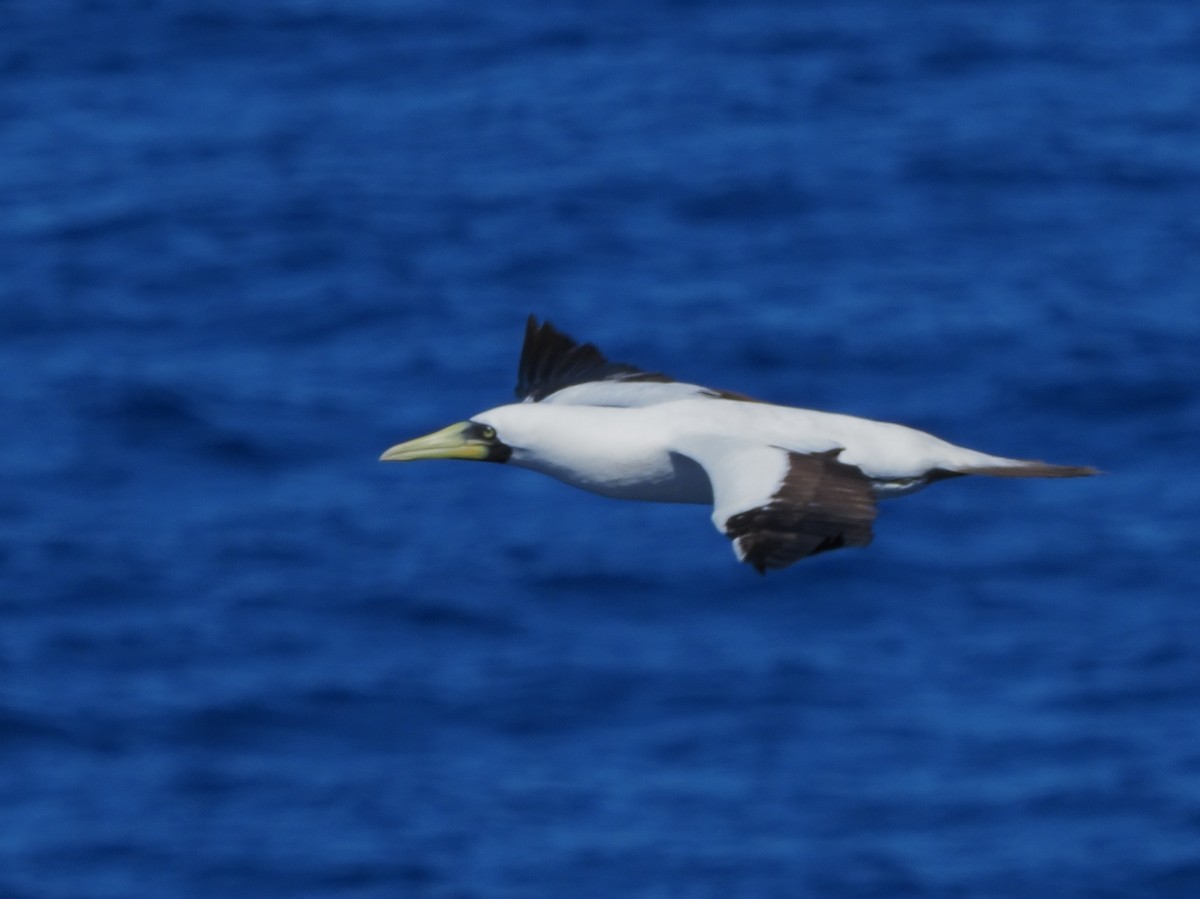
(822, 504)
(552, 360)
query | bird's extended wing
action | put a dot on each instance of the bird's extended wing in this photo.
(556, 368)
(552, 360)
(779, 507)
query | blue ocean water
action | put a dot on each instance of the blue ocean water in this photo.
(246, 247)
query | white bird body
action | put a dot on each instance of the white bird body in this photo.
(784, 483)
(631, 453)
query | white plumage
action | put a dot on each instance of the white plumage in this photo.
(784, 483)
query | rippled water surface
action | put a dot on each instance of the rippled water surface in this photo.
(246, 247)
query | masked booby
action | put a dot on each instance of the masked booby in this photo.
(784, 483)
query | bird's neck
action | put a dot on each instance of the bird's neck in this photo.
(618, 452)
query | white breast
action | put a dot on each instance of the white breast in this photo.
(625, 453)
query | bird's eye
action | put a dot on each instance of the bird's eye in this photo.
(488, 432)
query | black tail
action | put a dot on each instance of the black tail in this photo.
(1031, 470)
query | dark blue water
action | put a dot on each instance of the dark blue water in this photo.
(246, 247)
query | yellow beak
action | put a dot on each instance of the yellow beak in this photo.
(448, 443)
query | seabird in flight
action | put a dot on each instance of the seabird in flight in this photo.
(784, 483)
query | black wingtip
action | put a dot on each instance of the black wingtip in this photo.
(545, 355)
(531, 326)
(552, 360)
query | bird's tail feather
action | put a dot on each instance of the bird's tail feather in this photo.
(1021, 468)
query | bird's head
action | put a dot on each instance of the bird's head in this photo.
(474, 440)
